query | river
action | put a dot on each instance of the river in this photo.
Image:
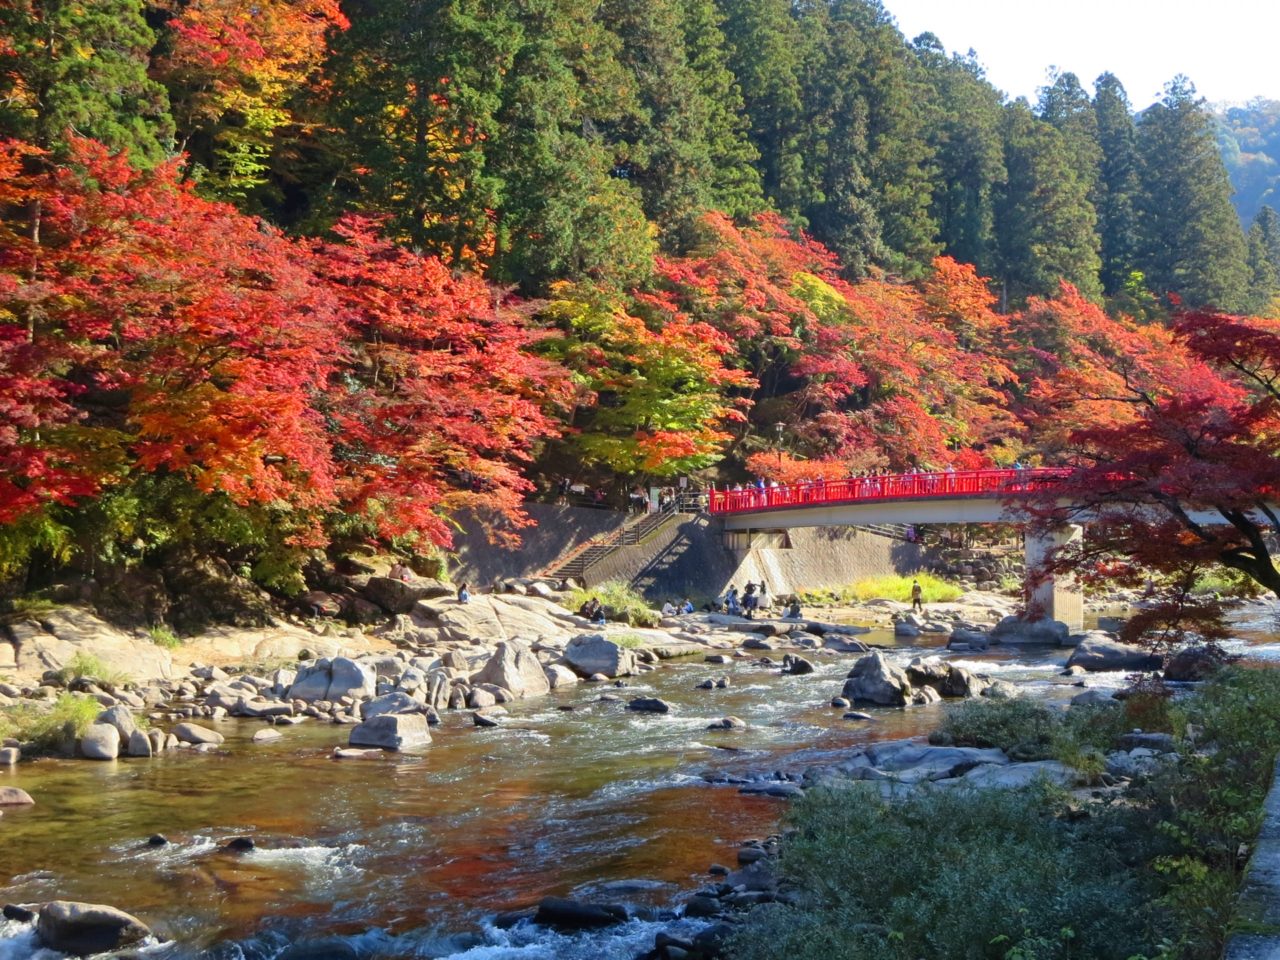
(413, 855)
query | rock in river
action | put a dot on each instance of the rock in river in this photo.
(193, 733)
(101, 741)
(576, 915)
(1098, 652)
(84, 928)
(874, 680)
(14, 797)
(392, 731)
(649, 705)
(590, 653)
(514, 667)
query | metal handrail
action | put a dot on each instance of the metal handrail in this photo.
(908, 486)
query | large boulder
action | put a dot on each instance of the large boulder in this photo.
(311, 682)
(1194, 663)
(576, 915)
(392, 731)
(514, 667)
(946, 678)
(194, 733)
(559, 676)
(351, 679)
(490, 618)
(85, 928)
(398, 596)
(1098, 652)
(121, 718)
(874, 680)
(1014, 630)
(591, 653)
(101, 741)
(396, 702)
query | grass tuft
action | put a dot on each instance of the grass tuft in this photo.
(621, 603)
(50, 729)
(164, 637)
(886, 587)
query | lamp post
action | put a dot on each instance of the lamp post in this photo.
(779, 426)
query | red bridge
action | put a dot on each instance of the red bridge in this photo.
(949, 485)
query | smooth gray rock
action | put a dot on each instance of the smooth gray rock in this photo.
(193, 733)
(266, 735)
(727, 723)
(559, 676)
(139, 744)
(514, 667)
(1014, 630)
(796, 666)
(15, 797)
(1015, 775)
(398, 702)
(311, 682)
(392, 731)
(101, 741)
(874, 680)
(86, 928)
(591, 653)
(351, 679)
(399, 596)
(649, 705)
(9, 756)
(122, 719)
(1099, 653)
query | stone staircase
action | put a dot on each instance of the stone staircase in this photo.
(575, 564)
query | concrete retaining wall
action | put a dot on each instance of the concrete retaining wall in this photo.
(694, 558)
(559, 529)
(1258, 910)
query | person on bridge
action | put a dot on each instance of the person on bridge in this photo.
(917, 597)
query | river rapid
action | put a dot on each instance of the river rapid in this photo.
(413, 855)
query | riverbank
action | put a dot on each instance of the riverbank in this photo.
(571, 793)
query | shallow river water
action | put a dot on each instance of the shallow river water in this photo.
(413, 855)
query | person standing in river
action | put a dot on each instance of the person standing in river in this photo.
(917, 597)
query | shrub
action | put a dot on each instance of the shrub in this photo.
(1029, 730)
(956, 874)
(887, 587)
(164, 637)
(87, 665)
(50, 729)
(620, 601)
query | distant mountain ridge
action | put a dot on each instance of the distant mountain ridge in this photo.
(1249, 137)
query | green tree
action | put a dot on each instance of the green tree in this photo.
(964, 127)
(1192, 244)
(415, 89)
(1264, 260)
(1044, 220)
(1066, 107)
(766, 54)
(734, 181)
(68, 66)
(563, 213)
(1118, 184)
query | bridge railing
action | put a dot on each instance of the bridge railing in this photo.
(906, 486)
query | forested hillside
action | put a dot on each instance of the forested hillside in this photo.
(290, 272)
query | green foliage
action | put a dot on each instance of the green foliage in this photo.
(1002, 874)
(50, 728)
(164, 637)
(1029, 730)
(1212, 800)
(89, 665)
(81, 68)
(620, 601)
(630, 641)
(1192, 241)
(1226, 583)
(886, 587)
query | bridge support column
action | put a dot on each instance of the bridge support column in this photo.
(1057, 597)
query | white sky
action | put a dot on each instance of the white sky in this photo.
(1229, 48)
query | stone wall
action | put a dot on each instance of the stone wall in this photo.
(694, 558)
(558, 530)
(1258, 910)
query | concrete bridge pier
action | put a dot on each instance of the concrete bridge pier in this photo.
(1057, 597)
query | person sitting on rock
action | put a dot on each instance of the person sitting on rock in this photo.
(687, 606)
(588, 608)
(731, 604)
(400, 571)
(668, 609)
(464, 594)
(598, 617)
(793, 611)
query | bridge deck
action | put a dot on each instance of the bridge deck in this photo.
(951, 485)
